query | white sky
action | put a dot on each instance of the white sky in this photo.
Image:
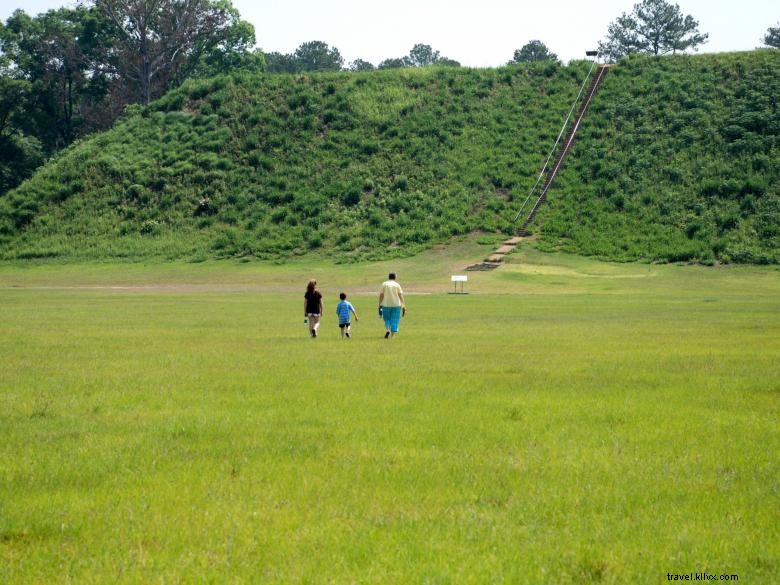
(478, 34)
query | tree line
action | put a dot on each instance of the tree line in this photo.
(318, 56)
(72, 71)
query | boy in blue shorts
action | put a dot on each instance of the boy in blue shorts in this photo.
(343, 310)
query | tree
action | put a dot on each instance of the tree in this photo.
(533, 51)
(71, 71)
(280, 63)
(392, 64)
(422, 56)
(13, 95)
(52, 72)
(318, 56)
(446, 62)
(772, 37)
(158, 40)
(311, 56)
(20, 153)
(62, 53)
(232, 50)
(654, 27)
(360, 65)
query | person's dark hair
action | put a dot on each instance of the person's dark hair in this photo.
(343, 296)
(391, 276)
(311, 285)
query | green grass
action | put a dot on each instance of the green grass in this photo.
(569, 421)
(278, 166)
(676, 161)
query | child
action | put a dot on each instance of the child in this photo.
(312, 307)
(342, 310)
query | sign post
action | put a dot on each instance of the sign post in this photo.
(459, 278)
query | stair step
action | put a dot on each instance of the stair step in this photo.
(513, 241)
(483, 266)
(505, 249)
(495, 258)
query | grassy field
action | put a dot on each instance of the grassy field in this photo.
(568, 421)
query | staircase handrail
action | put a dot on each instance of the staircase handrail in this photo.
(565, 149)
(557, 140)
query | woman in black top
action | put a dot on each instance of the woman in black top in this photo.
(312, 307)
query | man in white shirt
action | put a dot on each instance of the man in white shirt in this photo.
(391, 305)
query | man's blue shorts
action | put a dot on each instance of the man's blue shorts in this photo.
(392, 317)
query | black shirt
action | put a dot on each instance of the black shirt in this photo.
(313, 302)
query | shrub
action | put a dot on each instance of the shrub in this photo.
(205, 207)
(150, 227)
(400, 183)
(351, 196)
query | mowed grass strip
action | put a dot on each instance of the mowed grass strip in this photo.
(567, 438)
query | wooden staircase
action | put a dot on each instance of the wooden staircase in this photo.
(496, 258)
(567, 142)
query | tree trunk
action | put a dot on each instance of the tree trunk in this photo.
(145, 72)
(146, 81)
(69, 111)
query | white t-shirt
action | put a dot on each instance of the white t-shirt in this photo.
(391, 290)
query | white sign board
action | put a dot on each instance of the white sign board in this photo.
(459, 278)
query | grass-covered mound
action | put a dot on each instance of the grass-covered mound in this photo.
(679, 159)
(358, 165)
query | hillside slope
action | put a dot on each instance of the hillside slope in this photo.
(359, 165)
(677, 160)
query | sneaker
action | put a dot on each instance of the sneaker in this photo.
(387, 334)
(348, 336)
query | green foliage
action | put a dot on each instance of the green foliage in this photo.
(420, 55)
(392, 63)
(310, 56)
(655, 27)
(772, 37)
(361, 65)
(230, 48)
(318, 56)
(280, 63)
(55, 71)
(533, 51)
(20, 155)
(185, 430)
(674, 163)
(172, 40)
(69, 72)
(273, 166)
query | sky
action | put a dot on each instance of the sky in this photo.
(482, 33)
